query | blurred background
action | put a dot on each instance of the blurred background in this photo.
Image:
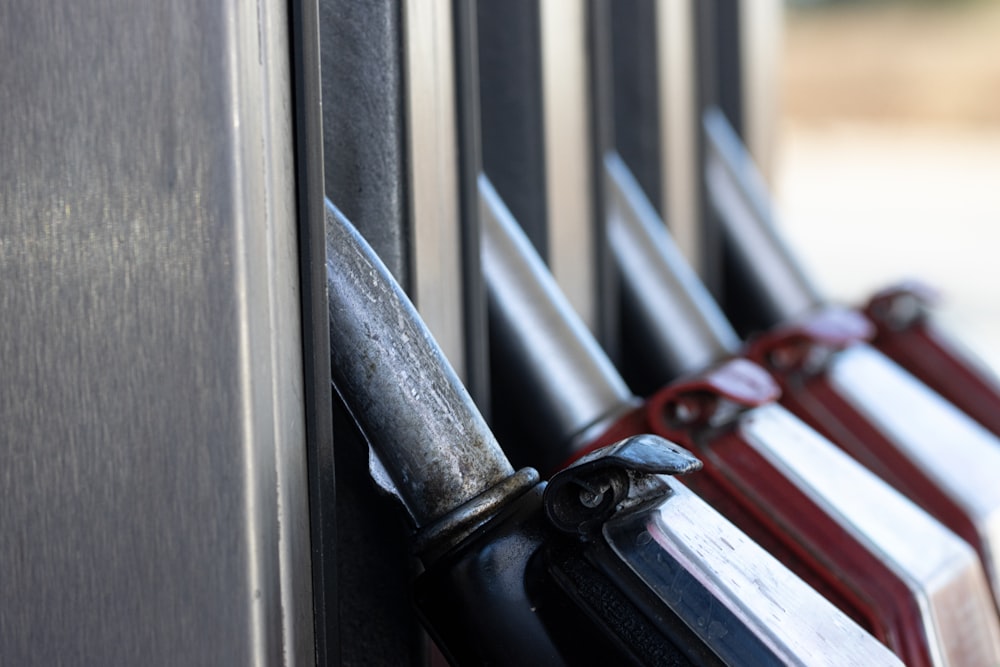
(886, 154)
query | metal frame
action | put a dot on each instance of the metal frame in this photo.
(155, 485)
(536, 86)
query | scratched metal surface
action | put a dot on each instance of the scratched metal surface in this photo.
(153, 469)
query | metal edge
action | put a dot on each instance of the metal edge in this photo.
(317, 394)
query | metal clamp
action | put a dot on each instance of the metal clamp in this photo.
(613, 479)
(712, 398)
(805, 346)
(902, 306)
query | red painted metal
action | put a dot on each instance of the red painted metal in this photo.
(702, 413)
(796, 355)
(906, 333)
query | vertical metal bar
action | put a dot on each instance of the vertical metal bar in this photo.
(761, 40)
(599, 143)
(537, 135)
(364, 125)
(392, 150)
(510, 89)
(317, 394)
(727, 45)
(678, 107)
(364, 150)
(709, 261)
(477, 378)
(432, 173)
(569, 173)
(637, 76)
(154, 466)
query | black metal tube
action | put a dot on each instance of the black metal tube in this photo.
(764, 263)
(400, 389)
(681, 328)
(560, 379)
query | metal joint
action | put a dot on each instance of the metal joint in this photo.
(901, 307)
(614, 479)
(806, 346)
(713, 398)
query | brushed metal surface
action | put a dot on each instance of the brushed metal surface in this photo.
(940, 568)
(363, 123)
(678, 101)
(953, 450)
(153, 470)
(759, 611)
(568, 175)
(432, 162)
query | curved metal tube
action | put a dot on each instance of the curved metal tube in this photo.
(738, 195)
(683, 327)
(562, 379)
(400, 389)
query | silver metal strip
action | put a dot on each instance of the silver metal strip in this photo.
(432, 167)
(568, 173)
(678, 125)
(945, 443)
(941, 569)
(154, 467)
(761, 25)
(790, 623)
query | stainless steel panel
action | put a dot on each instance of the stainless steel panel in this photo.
(154, 496)
(678, 101)
(565, 94)
(432, 159)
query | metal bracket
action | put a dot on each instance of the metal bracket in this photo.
(805, 346)
(613, 479)
(902, 306)
(712, 398)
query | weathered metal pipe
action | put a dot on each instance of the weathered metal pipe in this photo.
(409, 402)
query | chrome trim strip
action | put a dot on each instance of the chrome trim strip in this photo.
(940, 568)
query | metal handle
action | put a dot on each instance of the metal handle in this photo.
(740, 199)
(561, 379)
(681, 327)
(400, 389)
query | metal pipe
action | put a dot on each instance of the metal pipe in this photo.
(737, 193)
(663, 297)
(410, 404)
(560, 379)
